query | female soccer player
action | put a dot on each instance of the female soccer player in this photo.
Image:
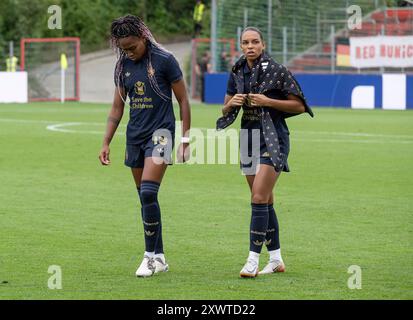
(268, 93)
(147, 74)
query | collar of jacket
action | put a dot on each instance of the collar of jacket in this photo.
(255, 70)
(264, 57)
(229, 118)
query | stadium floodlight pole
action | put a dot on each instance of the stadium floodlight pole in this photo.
(294, 35)
(193, 66)
(383, 33)
(285, 49)
(269, 45)
(214, 35)
(333, 49)
(318, 28)
(239, 31)
(245, 17)
(11, 49)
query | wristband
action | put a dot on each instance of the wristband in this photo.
(185, 140)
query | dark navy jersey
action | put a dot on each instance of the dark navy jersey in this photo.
(251, 115)
(148, 110)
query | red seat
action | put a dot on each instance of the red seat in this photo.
(326, 48)
(312, 62)
(400, 15)
(406, 28)
(378, 16)
(392, 22)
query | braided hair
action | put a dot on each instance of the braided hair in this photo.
(127, 26)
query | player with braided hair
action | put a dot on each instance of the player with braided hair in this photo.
(147, 74)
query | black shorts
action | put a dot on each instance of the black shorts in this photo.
(264, 158)
(160, 147)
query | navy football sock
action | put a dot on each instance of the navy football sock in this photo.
(272, 238)
(151, 214)
(140, 199)
(159, 242)
(258, 226)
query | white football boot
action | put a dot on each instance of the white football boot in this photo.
(273, 266)
(250, 269)
(160, 265)
(147, 267)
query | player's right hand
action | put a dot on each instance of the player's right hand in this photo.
(238, 100)
(104, 156)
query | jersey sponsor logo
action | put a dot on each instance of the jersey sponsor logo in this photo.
(140, 88)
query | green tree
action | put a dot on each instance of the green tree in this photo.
(90, 19)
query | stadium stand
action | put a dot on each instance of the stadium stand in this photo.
(389, 22)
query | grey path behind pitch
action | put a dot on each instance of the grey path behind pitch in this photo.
(96, 72)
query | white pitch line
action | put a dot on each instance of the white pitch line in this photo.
(25, 121)
(355, 141)
(355, 134)
(60, 127)
(331, 140)
(34, 110)
(55, 122)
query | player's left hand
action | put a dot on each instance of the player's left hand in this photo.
(183, 153)
(257, 100)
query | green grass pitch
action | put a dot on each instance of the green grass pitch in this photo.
(347, 201)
